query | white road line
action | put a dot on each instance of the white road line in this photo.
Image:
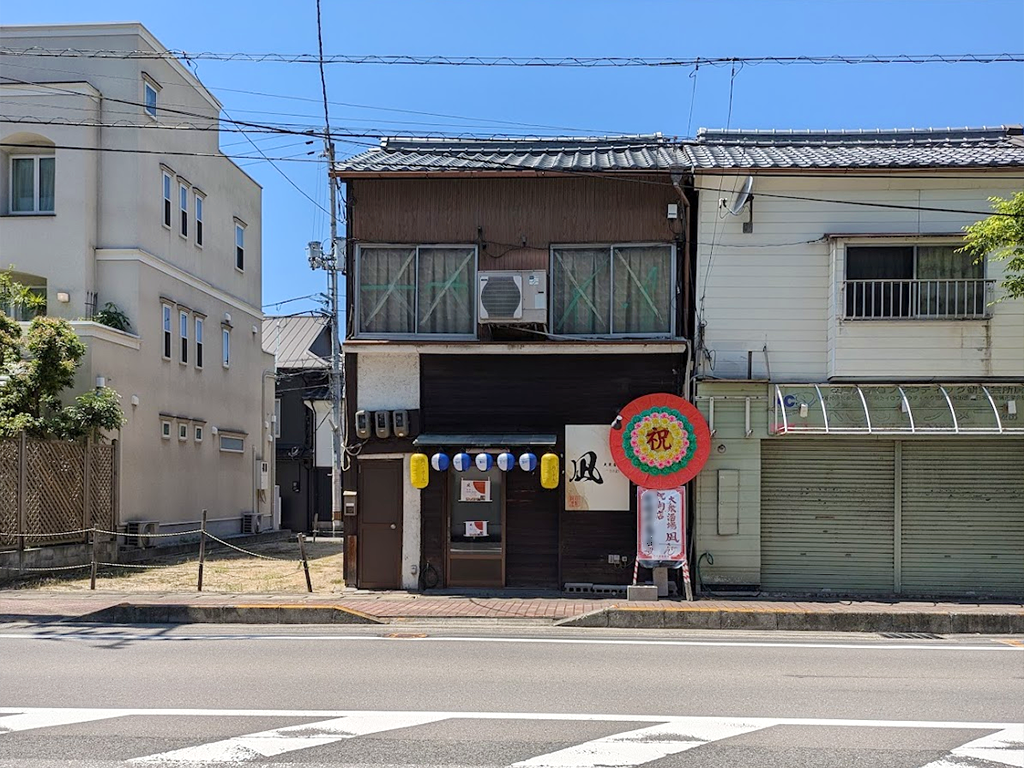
(1005, 747)
(30, 719)
(121, 637)
(253, 746)
(644, 745)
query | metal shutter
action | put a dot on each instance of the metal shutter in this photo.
(827, 510)
(963, 517)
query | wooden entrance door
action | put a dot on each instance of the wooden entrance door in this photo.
(380, 524)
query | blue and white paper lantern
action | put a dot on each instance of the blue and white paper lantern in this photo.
(439, 462)
(527, 462)
(484, 461)
(506, 461)
(461, 462)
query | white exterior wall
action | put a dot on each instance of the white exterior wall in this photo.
(779, 285)
(107, 236)
(388, 381)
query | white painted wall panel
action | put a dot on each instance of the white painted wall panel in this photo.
(388, 381)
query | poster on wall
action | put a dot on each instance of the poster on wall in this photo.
(476, 528)
(592, 481)
(661, 527)
(475, 490)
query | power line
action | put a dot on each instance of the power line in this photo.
(290, 301)
(586, 62)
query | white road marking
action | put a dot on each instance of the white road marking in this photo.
(30, 719)
(1005, 747)
(642, 746)
(865, 646)
(281, 740)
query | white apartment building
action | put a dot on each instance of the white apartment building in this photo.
(106, 196)
(863, 380)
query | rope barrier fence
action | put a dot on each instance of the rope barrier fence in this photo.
(95, 562)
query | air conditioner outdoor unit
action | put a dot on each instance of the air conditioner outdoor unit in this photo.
(252, 522)
(513, 296)
(136, 530)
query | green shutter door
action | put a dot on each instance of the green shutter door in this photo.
(827, 510)
(963, 517)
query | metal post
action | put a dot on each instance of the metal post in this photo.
(316, 526)
(92, 569)
(202, 549)
(86, 486)
(22, 527)
(336, 263)
(305, 562)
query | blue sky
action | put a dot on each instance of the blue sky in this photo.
(592, 101)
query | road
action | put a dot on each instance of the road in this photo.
(526, 696)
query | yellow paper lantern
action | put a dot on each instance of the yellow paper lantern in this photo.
(419, 470)
(549, 471)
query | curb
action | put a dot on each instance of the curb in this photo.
(948, 623)
(141, 613)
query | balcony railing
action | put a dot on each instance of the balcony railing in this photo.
(916, 299)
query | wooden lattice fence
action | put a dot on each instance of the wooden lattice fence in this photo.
(52, 491)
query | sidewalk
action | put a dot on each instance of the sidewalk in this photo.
(401, 607)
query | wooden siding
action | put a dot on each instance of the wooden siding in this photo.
(537, 393)
(531, 532)
(775, 286)
(587, 540)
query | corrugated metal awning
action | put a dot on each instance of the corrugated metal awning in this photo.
(484, 440)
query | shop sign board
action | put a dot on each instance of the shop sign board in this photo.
(661, 527)
(592, 481)
(475, 490)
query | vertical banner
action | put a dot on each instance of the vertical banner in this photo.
(592, 481)
(661, 528)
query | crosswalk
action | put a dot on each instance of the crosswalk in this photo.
(501, 738)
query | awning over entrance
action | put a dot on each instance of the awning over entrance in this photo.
(484, 441)
(898, 409)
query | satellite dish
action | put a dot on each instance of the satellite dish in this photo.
(742, 197)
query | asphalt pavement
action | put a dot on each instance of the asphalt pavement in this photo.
(461, 695)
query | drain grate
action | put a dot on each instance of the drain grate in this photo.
(911, 636)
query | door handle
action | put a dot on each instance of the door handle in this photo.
(393, 526)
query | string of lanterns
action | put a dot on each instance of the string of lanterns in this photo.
(420, 466)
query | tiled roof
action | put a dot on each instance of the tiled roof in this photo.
(712, 149)
(292, 340)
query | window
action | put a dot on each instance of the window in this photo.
(33, 180)
(230, 444)
(167, 331)
(149, 97)
(168, 185)
(165, 430)
(277, 419)
(417, 290)
(225, 341)
(199, 433)
(183, 202)
(913, 281)
(183, 432)
(21, 312)
(618, 290)
(239, 246)
(183, 332)
(199, 342)
(199, 220)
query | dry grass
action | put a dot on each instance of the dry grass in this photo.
(224, 571)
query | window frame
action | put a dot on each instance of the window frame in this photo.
(150, 85)
(183, 195)
(225, 346)
(36, 158)
(222, 436)
(889, 241)
(165, 429)
(167, 188)
(240, 227)
(199, 327)
(183, 324)
(182, 432)
(167, 324)
(198, 203)
(673, 292)
(416, 334)
(197, 433)
(277, 418)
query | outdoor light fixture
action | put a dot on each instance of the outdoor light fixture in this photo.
(1011, 407)
(63, 297)
(803, 410)
(100, 382)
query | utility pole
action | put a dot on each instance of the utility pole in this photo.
(336, 263)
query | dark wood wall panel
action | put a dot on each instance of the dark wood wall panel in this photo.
(536, 393)
(531, 525)
(432, 525)
(587, 540)
(511, 212)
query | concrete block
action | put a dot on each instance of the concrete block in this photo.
(980, 623)
(642, 592)
(749, 620)
(693, 619)
(598, 618)
(1017, 623)
(661, 581)
(936, 623)
(642, 619)
(862, 622)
